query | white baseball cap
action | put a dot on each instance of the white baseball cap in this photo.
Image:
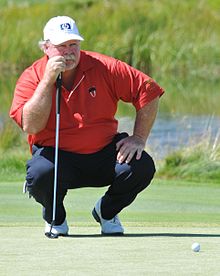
(60, 29)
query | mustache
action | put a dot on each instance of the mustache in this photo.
(69, 57)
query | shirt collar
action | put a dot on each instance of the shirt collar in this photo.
(85, 62)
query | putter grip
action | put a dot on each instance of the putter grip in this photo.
(58, 93)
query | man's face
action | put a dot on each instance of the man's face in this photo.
(70, 50)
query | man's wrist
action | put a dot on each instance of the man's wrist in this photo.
(140, 137)
(47, 82)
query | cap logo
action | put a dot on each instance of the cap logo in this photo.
(65, 26)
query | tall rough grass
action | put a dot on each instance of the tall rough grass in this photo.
(176, 42)
(200, 162)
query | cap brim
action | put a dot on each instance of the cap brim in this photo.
(61, 39)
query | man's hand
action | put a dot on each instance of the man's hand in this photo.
(135, 144)
(54, 67)
(128, 147)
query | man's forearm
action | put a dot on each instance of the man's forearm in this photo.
(37, 110)
(145, 118)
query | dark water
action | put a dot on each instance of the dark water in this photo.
(170, 133)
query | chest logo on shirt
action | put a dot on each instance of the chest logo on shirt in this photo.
(92, 91)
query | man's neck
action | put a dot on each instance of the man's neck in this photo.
(68, 78)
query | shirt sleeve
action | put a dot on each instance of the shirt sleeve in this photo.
(131, 85)
(24, 89)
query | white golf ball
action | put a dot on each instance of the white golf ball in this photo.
(196, 247)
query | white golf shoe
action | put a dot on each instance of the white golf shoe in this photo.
(58, 230)
(108, 227)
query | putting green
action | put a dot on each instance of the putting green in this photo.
(142, 251)
(161, 226)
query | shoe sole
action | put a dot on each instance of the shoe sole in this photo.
(97, 218)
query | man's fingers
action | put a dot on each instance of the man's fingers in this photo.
(139, 153)
(127, 148)
(121, 157)
(129, 157)
(119, 144)
(55, 66)
(126, 156)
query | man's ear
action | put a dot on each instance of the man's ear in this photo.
(45, 48)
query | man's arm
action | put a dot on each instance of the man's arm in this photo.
(37, 110)
(128, 146)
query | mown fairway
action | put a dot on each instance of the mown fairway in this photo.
(160, 228)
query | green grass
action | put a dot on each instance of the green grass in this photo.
(165, 203)
(176, 42)
(13, 164)
(198, 162)
(161, 226)
(151, 251)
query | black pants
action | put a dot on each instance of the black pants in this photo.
(98, 169)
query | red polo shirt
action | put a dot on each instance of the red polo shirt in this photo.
(87, 121)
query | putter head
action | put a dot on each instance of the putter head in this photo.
(51, 235)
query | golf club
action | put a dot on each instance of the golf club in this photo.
(58, 95)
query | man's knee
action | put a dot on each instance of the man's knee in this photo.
(145, 166)
(39, 173)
